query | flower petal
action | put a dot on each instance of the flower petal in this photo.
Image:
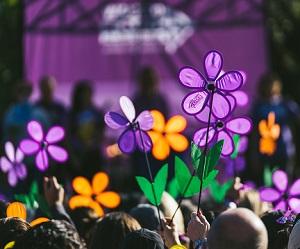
(19, 155)
(269, 194)
(29, 146)
(191, 78)
(230, 81)
(58, 153)
(282, 205)
(232, 101)
(294, 204)
(35, 130)
(194, 102)
(41, 160)
(10, 151)
(176, 124)
(82, 186)
(241, 98)
(5, 164)
(143, 141)
(200, 136)
(295, 188)
(280, 180)
(177, 142)
(38, 221)
(203, 115)
(213, 63)
(161, 148)
(220, 106)
(16, 209)
(21, 171)
(115, 120)
(228, 146)
(127, 141)
(145, 120)
(239, 126)
(159, 121)
(85, 201)
(100, 182)
(55, 134)
(155, 136)
(127, 108)
(12, 178)
(109, 199)
(243, 144)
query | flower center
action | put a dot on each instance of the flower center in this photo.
(134, 126)
(211, 87)
(44, 144)
(219, 125)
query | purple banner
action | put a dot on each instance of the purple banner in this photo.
(108, 41)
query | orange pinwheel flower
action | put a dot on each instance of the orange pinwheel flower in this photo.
(17, 209)
(92, 195)
(269, 132)
(167, 135)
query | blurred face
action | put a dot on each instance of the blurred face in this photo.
(276, 88)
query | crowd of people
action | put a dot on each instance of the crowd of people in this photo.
(242, 221)
(136, 225)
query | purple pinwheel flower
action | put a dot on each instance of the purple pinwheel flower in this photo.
(134, 134)
(42, 145)
(12, 164)
(222, 130)
(282, 196)
(221, 86)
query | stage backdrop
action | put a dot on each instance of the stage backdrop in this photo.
(108, 41)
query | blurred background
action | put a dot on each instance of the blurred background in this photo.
(90, 52)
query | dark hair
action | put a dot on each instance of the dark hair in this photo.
(85, 219)
(11, 229)
(278, 234)
(143, 239)
(112, 229)
(54, 234)
(266, 83)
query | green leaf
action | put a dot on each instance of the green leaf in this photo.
(173, 189)
(183, 176)
(43, 205)
(219, 191)
(159, 185)
(211, 176)
(267, 174)
(195, 155)
(236, 141)
(30, 200)
(213, 157)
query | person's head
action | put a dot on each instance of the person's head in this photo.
(147, 216)
(47, 86)
(269, 86)
(11, 229)
(143, 239)
(111, 230)
(147, 80)
(294, 239)
(278, 234)
(84, 219)
(54, 234)
(237, 228)
(23, 90)
(82, 95)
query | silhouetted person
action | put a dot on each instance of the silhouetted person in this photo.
(86, 127)
(287, 115)
(54, 109)
(148, 96)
